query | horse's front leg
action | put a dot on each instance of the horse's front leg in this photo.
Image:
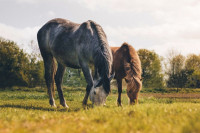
(89, 80)
(119, 85)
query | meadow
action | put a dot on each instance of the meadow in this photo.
(25, 110)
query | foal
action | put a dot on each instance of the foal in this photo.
(127, 65)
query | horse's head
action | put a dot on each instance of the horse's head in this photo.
(134, 85)
(98, 95)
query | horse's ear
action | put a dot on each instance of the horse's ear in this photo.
(112, 76)
(98, 83)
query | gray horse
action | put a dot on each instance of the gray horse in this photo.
(76, 46)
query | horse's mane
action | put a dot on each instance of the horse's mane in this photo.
(133, 66)
(103, 56)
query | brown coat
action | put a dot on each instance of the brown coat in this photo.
(127, 65)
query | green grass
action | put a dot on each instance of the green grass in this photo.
(29, 111)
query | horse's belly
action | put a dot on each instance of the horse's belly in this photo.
(66, 54)
(68, 60)
(73, 63)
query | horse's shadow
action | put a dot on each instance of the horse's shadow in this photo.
(53, 109)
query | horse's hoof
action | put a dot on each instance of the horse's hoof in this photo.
(119, 104)
(84, 102)
(84, 106)
(65, 106)
(53, 106)
(52, 103)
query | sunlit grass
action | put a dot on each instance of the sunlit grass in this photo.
(23, 111)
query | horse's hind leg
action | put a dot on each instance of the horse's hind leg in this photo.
(119, 85)
(50, 67)
(58, 78)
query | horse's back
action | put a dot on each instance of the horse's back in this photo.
(122, 55)
(114, 49)
(62, 38)
(54, 39)
(55, 27)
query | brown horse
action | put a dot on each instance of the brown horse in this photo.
(127, 65)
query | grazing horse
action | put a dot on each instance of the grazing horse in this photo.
(76, 46)
(127, 65)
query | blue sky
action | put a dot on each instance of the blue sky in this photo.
(160, 25)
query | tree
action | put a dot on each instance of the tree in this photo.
(178, 80)
(176, 64)
(35, 72)
(192, 64)
(36, 66)
(177, 74)
(13, 62)
(151, 69)
(18, 68)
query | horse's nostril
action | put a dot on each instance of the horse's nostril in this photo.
(94, 92)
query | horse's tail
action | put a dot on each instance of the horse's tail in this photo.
(133, 65)
(103, 56)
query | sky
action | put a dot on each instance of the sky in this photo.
(159, 25)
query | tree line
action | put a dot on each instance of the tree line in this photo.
(17, 68)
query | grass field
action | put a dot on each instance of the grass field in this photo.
(29, 111)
